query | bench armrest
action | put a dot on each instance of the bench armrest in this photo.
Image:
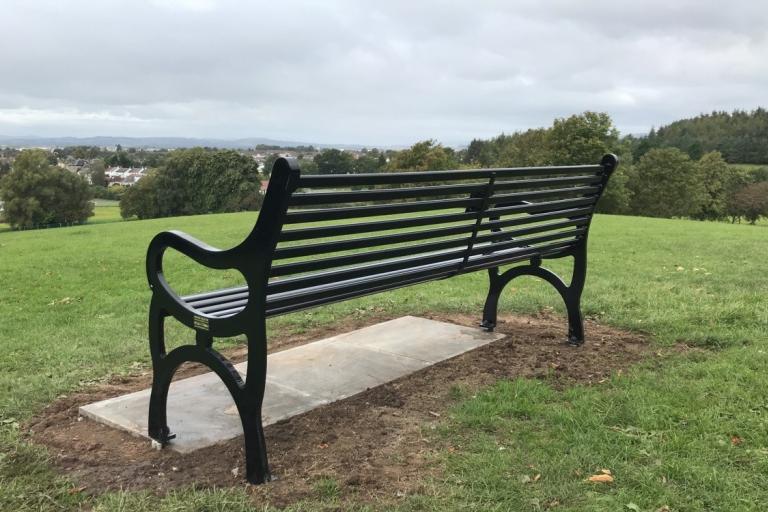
(202, 253)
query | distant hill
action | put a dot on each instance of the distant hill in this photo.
(159, 142)
(741, 136)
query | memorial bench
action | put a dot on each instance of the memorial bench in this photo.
(327, 238)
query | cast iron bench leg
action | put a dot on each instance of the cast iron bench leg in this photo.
(161, 378)
(249, 406)
(570, 294)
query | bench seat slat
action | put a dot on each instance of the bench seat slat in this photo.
(335, 291)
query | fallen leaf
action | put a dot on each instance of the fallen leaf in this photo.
(736, 440)
(536, 478)
(606, 471)
(664, 508)
(600, 479)
(435, 414)
(632, 506)
(76, 490)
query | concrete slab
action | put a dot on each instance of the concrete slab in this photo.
(201, 412)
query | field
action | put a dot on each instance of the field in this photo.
(689, 433)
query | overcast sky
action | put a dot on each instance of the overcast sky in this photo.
(388, 72)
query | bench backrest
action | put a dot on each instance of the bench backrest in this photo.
(341, 236)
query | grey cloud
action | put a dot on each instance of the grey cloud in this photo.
(372, 73)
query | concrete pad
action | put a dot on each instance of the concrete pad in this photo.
(202, 413)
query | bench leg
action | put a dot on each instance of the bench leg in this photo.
(572, 297)
(571, 293)
(161, 378)
(256, 462)
(491, 308)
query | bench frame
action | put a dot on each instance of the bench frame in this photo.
(253, 259)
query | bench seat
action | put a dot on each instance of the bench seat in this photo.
(228, 302)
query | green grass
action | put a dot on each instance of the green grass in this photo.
(74, 304)
(104, 210)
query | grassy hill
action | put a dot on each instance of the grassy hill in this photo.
(74, 303)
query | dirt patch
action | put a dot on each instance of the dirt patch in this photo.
(371, 445)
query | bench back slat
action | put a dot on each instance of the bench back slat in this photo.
(345, 236)
(296, 217)
(397, 178)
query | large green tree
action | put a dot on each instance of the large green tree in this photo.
(714, 173)
(35, 193)
(196, 181)
(666, 183)
(97, 172)
(427, 155)
(751, 202)
(581, 139)
(334, 161)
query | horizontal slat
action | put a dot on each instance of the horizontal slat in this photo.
(216, 308)
(537, 194)
(295, 283)
(495, 260)
(522, 242)
(370, 211)
(547, 182)
(371, 227)
(365, 257)
(362, 243)
(534, 217)
(375, 241)
(326, 295)
(391, 178)
(498, 236)
(309, 198)
(361, 284)
(208, 295)
(221, 299)
(290, 308)
(545, 206)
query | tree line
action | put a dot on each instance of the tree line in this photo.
(739, 136)
(654, 179)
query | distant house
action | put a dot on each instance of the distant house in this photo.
(78, 166)
(263, 187)
(124, 176)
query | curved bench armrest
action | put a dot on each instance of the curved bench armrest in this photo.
(200, 252)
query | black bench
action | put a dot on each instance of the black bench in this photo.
(329, 238)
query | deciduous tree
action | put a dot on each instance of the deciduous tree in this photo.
(36, 193)
(666, 183)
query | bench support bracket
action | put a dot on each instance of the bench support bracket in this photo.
(248, 396)
(570, 293)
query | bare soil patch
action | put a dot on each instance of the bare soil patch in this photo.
(373, 444)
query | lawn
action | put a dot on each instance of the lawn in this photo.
(74, 311)
(104, 210)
